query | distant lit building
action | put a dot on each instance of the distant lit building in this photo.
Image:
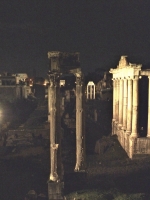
(62, 83)
(90, 90)
(14, 86)
(21, 78)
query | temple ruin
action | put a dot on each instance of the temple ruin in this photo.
(129, 109)
(61, 63)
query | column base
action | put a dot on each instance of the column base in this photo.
(77, 169)
(132, 145)
(80, 168)
(124, 128)
(134, 135)
(128, 133)
(120, 126)
(55, 190)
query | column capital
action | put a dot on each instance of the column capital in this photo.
(129, 78)
(136, 77)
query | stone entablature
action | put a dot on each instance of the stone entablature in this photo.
(126, 107)
(125, 70)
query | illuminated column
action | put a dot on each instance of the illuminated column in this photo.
(129, 106)
(117, 100)
(125, 95)
(48, 103)
(134, 132)
(120, 102)
(114, 99)
(87, 91)
(148, 123)
(80, 125)
(114, 106)
(94, 91)
(55, 129)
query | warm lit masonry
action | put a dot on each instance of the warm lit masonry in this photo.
(126, 108)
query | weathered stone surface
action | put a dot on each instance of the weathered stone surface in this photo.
(126, 93)
(55, 190)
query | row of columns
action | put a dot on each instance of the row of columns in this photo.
(125, 104)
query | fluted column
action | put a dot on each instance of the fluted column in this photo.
(125, 95)
(80, 125)
(121, 103)
(129, 106)
(135, 105)
(148, 122)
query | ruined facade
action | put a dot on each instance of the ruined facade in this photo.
(126, 104)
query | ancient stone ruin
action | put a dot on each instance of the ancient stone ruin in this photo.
(131, 108)
(60, 63)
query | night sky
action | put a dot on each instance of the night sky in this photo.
(101, 30)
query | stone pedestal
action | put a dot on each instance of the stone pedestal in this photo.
(55, 190)
(132, 146)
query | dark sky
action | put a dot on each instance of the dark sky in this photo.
(101, 30)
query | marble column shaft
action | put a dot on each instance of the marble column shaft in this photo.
(114, 107)
(80, 126)
(55, 131)
(117, 100)
(135, 105)
(114, 99)
(48, 103)
(125, 103)
(129, 106)
(121, 102)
